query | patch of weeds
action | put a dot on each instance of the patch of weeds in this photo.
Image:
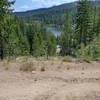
(6, 68)
(87, 60)
(5, 62)
(10, 59)
(68, 68)
(81, 60)
(27, 67)
(42, 69)
(68, 59)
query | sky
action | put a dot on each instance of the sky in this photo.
(24, 5)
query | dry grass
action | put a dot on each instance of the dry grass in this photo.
(5, 64)
(6, 67)
(83, 60)
(42, 69)
(28, 66)
(68, 59)
(68, 68)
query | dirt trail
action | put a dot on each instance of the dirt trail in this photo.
(60, 81)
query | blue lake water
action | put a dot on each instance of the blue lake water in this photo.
(54, 31)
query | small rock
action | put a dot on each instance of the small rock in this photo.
(33, 72)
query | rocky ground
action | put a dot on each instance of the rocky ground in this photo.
(59, 81)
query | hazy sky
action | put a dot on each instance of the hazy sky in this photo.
(23, 5)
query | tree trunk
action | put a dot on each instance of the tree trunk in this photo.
(1, 51)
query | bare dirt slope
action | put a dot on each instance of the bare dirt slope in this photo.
(59, 81)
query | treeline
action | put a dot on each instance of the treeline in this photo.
(80, 38)
(20, 39)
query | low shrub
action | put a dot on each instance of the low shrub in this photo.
(27, 67)
(43, 69)
(68, 59)
(90, 52)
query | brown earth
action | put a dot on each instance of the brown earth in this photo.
(60, 80)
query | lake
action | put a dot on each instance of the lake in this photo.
(55, 31)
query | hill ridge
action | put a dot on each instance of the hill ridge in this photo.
(52, 15)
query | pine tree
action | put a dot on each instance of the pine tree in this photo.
(16, 41)
(83, 22)
(4, 11)
(66, 37)
(51, 44)
(30, 34)
(41, 42)
(97, 21)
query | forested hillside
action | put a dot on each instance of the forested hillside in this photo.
(80, 35)
(20, 39)
(54, 15)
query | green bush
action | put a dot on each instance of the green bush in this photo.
(91, 51)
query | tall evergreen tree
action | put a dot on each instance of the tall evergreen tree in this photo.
(41, 42)
(97, 21)
(66, 37)
(16, 41)
(83, 22)
(4, 11)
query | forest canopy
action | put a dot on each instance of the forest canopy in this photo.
(23, 34)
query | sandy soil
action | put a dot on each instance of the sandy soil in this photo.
(60, 81)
